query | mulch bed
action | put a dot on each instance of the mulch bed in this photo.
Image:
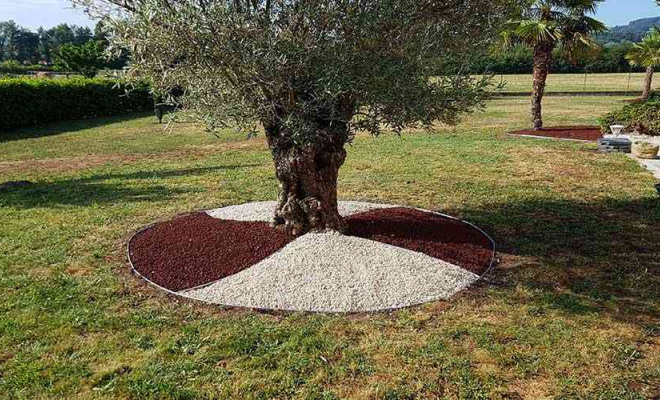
(434, 235)
(591, 133)
(198, 249)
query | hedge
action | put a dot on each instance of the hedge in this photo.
(33, 101)
(14, 67)
(643, 117)
(520, 60)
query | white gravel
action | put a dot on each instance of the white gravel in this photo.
(263, 210)
(329, 272)
(258, 211)
(652, 165)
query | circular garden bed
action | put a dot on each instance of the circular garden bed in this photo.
(390, 257)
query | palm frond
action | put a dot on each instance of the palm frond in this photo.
(647, 52)
(564, 22)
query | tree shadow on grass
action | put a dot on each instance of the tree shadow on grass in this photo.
(57, 128)
(170, 173)
(581, 258)
(93, 189)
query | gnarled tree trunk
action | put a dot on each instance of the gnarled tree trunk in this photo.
(648, 80)
(542, 62)
(307, 199)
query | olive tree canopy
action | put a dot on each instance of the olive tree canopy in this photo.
(310, 73)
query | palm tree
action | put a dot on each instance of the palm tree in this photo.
(550, 24)
(647, 54)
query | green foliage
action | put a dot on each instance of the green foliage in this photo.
(32, 47)
(30, 101)
(633, 116)
(305, 68)
(11, 66)
(563, 24)
(647, 52)
(14, 67)
(520, 60)
(612, 58)
(86, 59)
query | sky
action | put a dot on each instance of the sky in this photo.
(48, 13)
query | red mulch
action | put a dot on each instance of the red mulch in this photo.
(197, 249)
(566, 132)
(432, 234)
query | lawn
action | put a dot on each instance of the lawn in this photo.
(572, 310)
(576, 82)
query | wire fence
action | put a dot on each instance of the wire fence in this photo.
(565, 83)
(575, 83)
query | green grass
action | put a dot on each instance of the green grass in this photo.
(576, 82)
(572, 310)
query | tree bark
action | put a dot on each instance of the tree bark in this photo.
(542, 62)
(648, 80)
(307, 176)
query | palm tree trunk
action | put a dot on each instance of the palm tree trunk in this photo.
(542, 62)
(648, 80)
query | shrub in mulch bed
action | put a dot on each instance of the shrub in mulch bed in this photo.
(639, 115)
(197, 249)
(590, 133)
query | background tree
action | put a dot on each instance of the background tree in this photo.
(8, 33)
(311, 73)
(62, 34)
(82, 35)
(100, 33)
(647, 54)
(86, 59)
(26, 46)
(45, 45)
(550, 24)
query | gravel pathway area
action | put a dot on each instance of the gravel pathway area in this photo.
(652, 165)
(632, 137)
(263, 210)
(333, 273)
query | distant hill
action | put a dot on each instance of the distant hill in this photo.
(633, 32)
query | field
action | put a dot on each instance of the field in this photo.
(572, 311)
(576, 82)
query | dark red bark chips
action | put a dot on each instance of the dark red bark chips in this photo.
(198, 249)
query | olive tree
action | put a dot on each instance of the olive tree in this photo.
(310, 74)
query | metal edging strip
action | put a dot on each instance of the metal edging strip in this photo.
(271, 310)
